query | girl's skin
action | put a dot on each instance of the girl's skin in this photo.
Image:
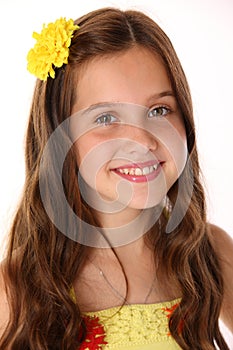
(134, 77)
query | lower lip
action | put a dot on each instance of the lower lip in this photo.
(140, 178)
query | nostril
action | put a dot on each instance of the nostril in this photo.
(137, 146)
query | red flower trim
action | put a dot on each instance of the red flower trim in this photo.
(95, 334)
(169, 311)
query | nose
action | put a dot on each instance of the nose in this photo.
(140, 138)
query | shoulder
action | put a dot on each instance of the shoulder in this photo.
(223, 245)
(4, 307)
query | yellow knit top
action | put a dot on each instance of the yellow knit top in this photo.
(131, 327)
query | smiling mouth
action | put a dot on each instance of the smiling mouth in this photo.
(139, 171)
(142, 173)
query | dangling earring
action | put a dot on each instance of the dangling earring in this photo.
(167, 209)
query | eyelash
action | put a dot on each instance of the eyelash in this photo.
(167, 111)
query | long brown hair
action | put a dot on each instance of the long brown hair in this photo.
(42, 262)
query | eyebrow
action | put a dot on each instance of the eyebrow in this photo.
(161, 94)
(113, 104)
(99, 105)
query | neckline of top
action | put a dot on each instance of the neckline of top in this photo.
(138, 306)
(158, 305)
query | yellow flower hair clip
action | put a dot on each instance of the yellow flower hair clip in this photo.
(51, 49)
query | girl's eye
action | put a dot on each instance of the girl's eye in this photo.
(106, 119)
(158, 112)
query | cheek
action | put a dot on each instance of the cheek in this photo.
(179, 156)
(84, 147)
(81, 148)
(93, 154)
(84, 157)
(177, 145)
(171, 137)
(182, 132)
(178, 124)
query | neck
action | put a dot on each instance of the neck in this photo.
(124, 228)
(130, 255)
(136, 249)
(119, 218)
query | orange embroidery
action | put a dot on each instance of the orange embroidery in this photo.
(169, 311)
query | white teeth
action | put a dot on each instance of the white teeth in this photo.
(146, 170)
(139, 171)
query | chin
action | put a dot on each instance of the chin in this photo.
(151, 201)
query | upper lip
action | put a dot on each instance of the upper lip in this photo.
(139, 164)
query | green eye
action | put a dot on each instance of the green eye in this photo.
(106, 119)
(158, 112)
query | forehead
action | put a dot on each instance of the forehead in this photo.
(131, 76)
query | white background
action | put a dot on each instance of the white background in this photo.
(202, 34)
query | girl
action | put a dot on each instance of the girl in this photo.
(110, 247)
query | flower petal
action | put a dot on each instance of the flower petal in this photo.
(51, 49)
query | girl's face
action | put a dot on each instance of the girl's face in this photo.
(128, 132)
